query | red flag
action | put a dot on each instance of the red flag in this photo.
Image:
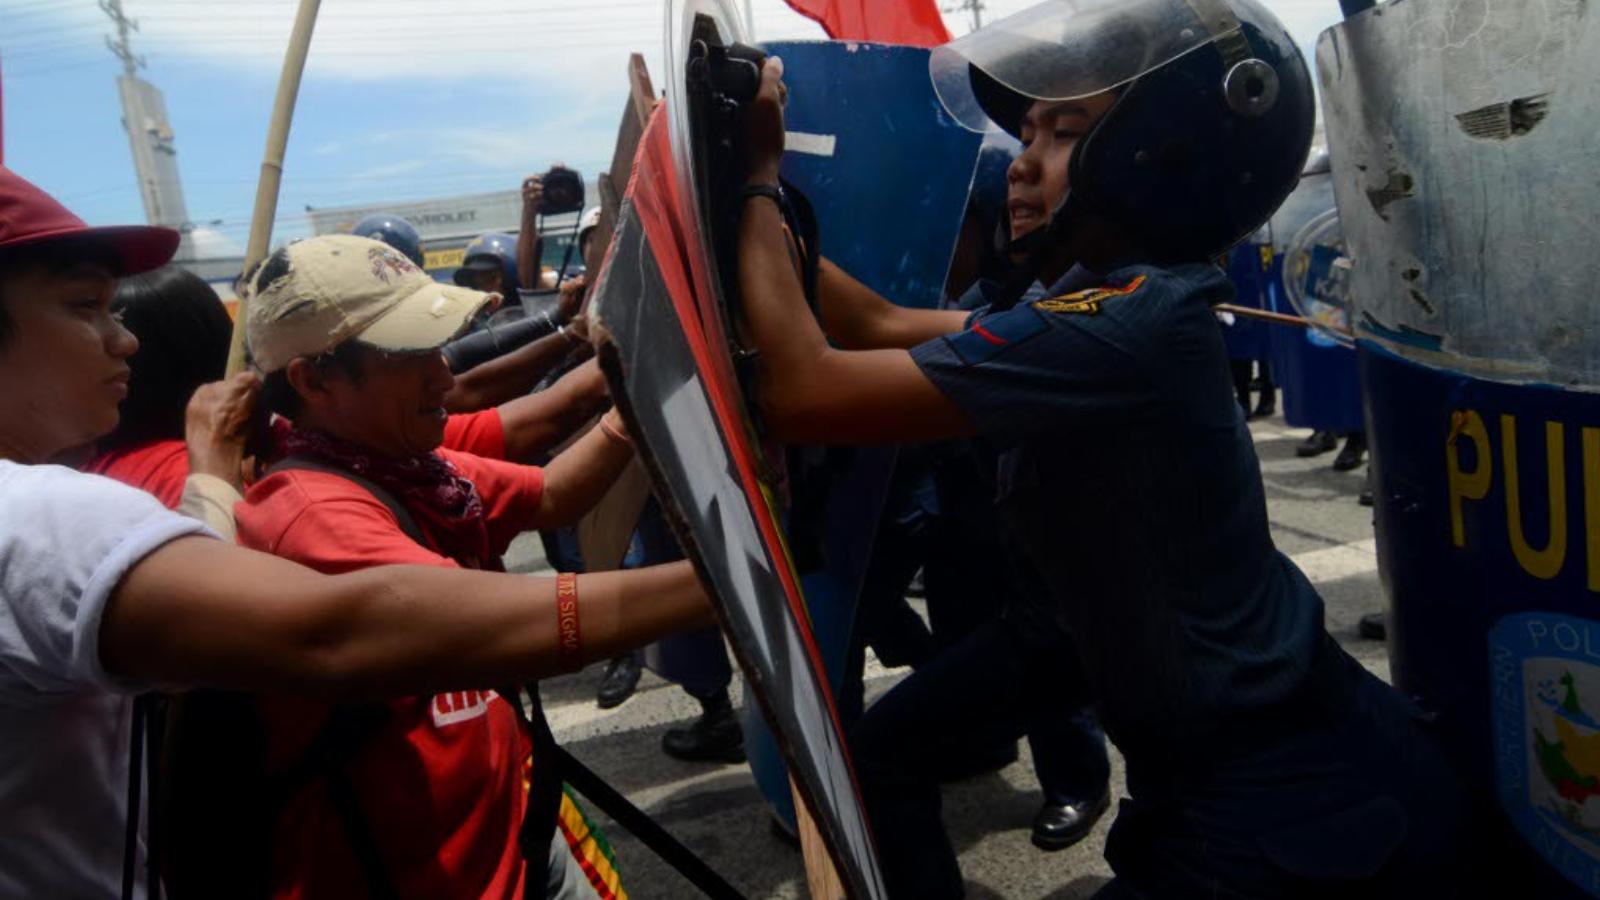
(913, 22)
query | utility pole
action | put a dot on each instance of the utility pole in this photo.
(121, 48)
(144, 115)
(973, 6)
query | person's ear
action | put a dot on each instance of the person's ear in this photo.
(307, 379)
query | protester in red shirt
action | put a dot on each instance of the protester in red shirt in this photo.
(183, 331)
(366, 483)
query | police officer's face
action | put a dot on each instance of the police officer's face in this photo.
(489, 281)
(1037, 181)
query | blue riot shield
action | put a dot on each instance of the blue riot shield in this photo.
(1316, 373)
(887, 173)
(1462, 138)
(1249, 267)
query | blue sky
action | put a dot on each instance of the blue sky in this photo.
(402, 99)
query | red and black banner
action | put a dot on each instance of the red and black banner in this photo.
(664, 354)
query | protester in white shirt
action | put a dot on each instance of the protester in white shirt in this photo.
(104, 593)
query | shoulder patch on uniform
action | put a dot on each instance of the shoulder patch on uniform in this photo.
(991, 335)
(1088, 302)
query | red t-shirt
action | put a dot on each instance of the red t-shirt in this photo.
(442, 784)
(481, 433)
(160, 467)
(157, 468)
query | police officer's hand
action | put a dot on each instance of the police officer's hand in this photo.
(532, 195)
(217, 426)
(764, 124)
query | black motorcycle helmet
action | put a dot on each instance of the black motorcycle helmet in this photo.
(1209, 132)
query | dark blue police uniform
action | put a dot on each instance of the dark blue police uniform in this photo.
(1262, 760)
(1003, 670)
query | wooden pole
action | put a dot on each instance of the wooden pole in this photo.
(294, 64)
(1277, 318)
(822, 879)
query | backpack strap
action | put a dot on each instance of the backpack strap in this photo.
(408, 522)
(544, 795)
(136, 770)
(539, 819)
(348, 729)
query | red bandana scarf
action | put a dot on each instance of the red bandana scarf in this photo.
(445, 504)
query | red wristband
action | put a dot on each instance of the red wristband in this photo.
(569, 639)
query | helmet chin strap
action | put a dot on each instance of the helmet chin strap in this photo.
(1033, 247)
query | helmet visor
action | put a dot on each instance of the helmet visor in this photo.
(1069, 49)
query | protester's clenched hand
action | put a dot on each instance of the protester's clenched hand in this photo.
(578, 327)
(217, 426)
(571, 296)
(764, 124)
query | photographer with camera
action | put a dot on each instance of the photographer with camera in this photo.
(556, 192)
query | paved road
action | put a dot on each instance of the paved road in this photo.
(718, 813)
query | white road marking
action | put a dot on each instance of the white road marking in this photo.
(1342, 561)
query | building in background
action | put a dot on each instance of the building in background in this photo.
(448, 224)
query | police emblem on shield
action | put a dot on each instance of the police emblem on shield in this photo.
(1545, 670)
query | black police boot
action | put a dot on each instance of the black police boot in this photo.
(621, 678)
(1373, 626)
(714, 737)
(1267, 406)
(1355, 449)
(1318, 443)
(1058, 827)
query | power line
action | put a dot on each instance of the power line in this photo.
(120, 48)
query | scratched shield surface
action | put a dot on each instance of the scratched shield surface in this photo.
(887, 173)
(1462, 142)
(1462, 138)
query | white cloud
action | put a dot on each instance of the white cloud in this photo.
(577, 42)
(210, 243)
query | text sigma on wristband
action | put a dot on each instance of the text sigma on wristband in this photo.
(569, 634)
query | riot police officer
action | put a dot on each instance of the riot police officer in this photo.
(490, 264)
(395, 231)
(1262, 761)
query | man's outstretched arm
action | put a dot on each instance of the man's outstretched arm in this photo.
(811, 392)
(198, 611)
(859, 318)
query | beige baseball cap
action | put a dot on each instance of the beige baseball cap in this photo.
(317, 293)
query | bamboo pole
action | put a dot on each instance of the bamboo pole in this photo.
(822, 879)
(266, 209)
(1277, 318)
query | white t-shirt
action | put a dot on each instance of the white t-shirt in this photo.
(66, 541)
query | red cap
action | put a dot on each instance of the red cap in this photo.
(30, 216)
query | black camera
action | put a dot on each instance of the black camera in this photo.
(563, 192)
